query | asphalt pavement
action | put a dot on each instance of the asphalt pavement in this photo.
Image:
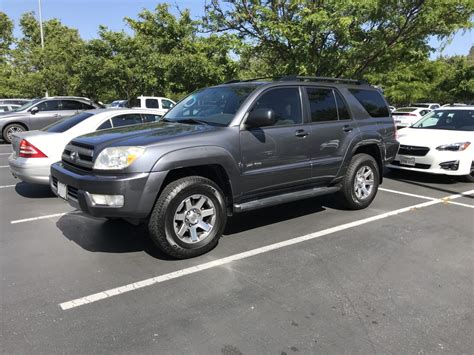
(304, 277)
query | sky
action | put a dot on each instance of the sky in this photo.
(87, 15)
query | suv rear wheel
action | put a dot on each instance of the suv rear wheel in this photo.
(188, 218)
(361, 182)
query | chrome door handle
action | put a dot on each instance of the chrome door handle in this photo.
(301, 133)
(347, 128)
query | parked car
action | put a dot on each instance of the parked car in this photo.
(39, 113)
(431, 106)
(119, 103)
(8, 107)
(454, 104)
(232, 148)
(14, 101)
(441, 143)
(392, 108)
(406, 116)
(35, 151)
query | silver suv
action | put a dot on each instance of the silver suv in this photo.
(40, 113)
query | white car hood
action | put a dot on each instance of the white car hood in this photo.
(433, 137)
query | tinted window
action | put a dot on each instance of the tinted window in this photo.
(457, 120)
(151, 118)
(341, 107)
(167, 104)
(71, 105)
(285, 102)
(87, 106)
(151, 103)
(372, 101)
(50, 105)
(64, 125)
(322, 105)
(105, 125)
(126, 120)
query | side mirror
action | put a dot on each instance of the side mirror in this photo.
(260, 117)
(34, 110)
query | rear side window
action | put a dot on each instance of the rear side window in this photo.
(341, 107)
(105, 125)
(151, 103)
(372, 101)
(126, 120)
(86, 106)
(322, 105)
(71, 105)
(68, 123)
(151, 118)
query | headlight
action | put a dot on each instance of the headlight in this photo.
(454, 147)
(117, 158)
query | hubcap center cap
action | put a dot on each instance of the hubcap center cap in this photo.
(193, 216)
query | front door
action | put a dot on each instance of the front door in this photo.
(48, 112)
(276, 156)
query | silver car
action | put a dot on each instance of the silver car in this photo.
(40, 113)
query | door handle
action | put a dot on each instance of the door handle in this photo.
(301, 133)
(347, 128)
(56, 115)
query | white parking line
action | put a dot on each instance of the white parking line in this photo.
(194, 269)
(5, 153)
(3, 166)
(41, 217)
(460, 204)
(5, 186)
(407, 194)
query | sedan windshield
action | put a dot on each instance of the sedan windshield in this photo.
(214, 106)
(453, 120)
(27, 105)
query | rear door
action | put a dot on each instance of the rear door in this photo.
(48, 112)
(70, 107)
(331, 129)
(277, 156)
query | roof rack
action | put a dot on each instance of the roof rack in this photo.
(303, 78)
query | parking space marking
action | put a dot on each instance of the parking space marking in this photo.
(5, 186)
(407, 194)
(5, 153)
(3, 166)
(41, 217)
(194, 269)
(460, 204)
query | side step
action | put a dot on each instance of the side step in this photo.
(284, 198)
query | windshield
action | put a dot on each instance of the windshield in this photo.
(67, 123)
(453, 120)
(214, 106)
(27, 105)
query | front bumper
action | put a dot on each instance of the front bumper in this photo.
(139, 190)
(430, 163)
(30, 170)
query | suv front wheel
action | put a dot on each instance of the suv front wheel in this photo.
(361, 182)
(188, 218)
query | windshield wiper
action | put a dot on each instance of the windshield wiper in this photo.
(191, 121)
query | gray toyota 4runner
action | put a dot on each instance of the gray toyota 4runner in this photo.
(232, 148)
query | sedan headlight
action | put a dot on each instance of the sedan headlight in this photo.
(117, 158)
(454, 147)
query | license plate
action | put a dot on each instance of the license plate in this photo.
(407, 161)
(62, 190)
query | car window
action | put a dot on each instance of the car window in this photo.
(126, 120)
(85, 106)
(322, 105)
(68, 123)
(71, 105)
(372, 101)
(341, 107)
(151, 103)
(457, 120)
(286, 104)
(147, 117)
(167, 104)
(105, 125)
(49, 105)
(424, 112)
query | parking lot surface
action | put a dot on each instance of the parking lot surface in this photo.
(305, 277)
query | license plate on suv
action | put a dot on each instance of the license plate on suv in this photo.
(410, 161)
(62, 190)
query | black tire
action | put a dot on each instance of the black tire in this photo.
(348, 192)
(162, 224)
(12, 126)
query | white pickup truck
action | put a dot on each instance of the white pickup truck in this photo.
(160, 104)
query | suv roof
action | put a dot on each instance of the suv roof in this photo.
(303, 78)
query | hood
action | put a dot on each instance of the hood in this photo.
(12, 114)
(433, 137)
(143, 134)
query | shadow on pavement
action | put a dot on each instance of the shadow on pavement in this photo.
(100, 235)
(429, 181)
(33, 190)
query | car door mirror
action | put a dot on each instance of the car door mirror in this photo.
(34, 110)
(260, 117)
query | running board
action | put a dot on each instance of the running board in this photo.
(284, 198)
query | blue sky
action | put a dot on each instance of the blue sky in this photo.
(87, 15)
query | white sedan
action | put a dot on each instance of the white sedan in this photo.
(440, 143)
(406, 116)
(35, 151)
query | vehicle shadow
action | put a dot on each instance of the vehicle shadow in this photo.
(428, 181)
(33, 190)
(100, 235)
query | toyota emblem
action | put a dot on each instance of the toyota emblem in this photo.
(73, 156)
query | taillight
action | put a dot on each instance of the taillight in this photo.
(28, 150)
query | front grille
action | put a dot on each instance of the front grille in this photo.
(71, 192)
(418, 166)
(78, 156)
(413, 150)
(55, 182)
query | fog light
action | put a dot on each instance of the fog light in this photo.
(450, 165)
(107, 200)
